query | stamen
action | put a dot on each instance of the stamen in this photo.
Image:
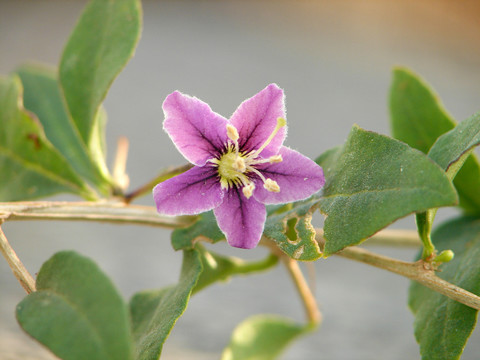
(232, 133)
(248, 190)
(281, 122)
(271, 185)
(239, 164)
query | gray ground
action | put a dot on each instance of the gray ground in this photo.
(333, 59)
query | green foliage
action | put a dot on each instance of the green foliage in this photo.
(30, 167)
(43, 98)
(442, 325)
(292, 230)
(217, 267)
(205, 228)
(154, 313)
(372, 181)
(77, 312)
(450, 151)
(418, 118)
(99, 47)
(262, 337)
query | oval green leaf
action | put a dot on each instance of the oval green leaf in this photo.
(42, 97)
(99, 47)
(30, 167)
(76, 312)
(372, 181)
(418, 118)
(442, 325)
(262, 337)
(155, 313)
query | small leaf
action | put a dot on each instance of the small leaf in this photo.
(77, 312)
(154, 313)
(30, 167)
(262, 337)
(293, 232)
(205, 228)
(418, 118)
(99, 47)
(221, 268)
(452, 148)
(373, 181)
(442, 325)
(450, 151)
(42, 97)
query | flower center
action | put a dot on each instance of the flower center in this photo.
(235, 168)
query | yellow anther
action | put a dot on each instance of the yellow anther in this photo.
(248, 190)
(271, 185)
(275, 159)
(232, 133)
(239, 164)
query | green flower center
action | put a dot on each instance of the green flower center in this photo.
(233, 166)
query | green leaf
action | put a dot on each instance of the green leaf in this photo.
(42, 97)
(418, 118)
(450, 151)
(30, 167)
(77, 312)
(373, 181)
(221, 268)
(293, 232)
(205, 228)
(154, 313)
(99, 47)
(442, 325)
(262, 337)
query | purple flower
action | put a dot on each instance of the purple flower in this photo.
(240, 165)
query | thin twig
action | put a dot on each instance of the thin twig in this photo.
(164, 175)
(18, 269)
(90, 211)
(390, 237)
(311, 308)
(419, 271)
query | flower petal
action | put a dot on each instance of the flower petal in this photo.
(256, 118)
(197, 131)
(298, 178)
(241, 219)
(195, 191)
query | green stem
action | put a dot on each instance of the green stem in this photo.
(164, 175)
(113, 212)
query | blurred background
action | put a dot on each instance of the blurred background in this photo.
(334, 59)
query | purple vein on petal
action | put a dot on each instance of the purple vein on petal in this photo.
(195, 191)
(256, 118)
(197, 131)
(298, 177)
(241, 219)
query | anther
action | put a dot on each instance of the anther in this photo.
(232, 133)
(271, 185)
(239, 164)
(275, 159)
(248, 190)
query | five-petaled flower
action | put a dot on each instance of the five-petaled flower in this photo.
(240, 164)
